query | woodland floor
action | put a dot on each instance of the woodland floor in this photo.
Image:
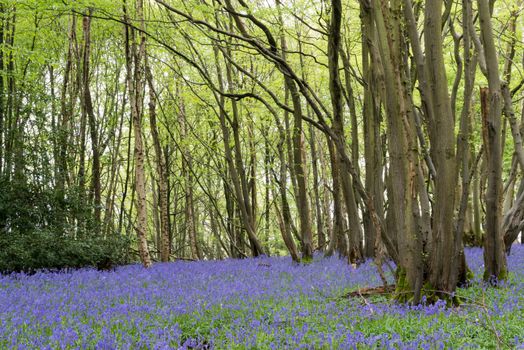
(264, 303)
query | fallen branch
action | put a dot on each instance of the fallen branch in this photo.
(371, 291)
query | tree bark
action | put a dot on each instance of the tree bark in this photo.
(232, 164)
(135, 53)
(96, 191)
(335, 88)
(187, 168)
(161, 170)
(402, 188)
(491, 103)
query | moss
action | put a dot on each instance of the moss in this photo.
(403, 291)
(466, 276)
(494, 281)
(503, 275)
(469, 274)
(306, 260)
(428, 291)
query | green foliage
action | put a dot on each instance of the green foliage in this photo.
(477, 327)
(46, 250)
(44, 229)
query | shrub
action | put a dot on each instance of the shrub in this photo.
(45, 250)
(43, 229)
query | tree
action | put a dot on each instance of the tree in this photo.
(135, 53)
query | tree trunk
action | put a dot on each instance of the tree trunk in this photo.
(2, 91)
(93, 129)
(161, 170)
(463, 142)
(491, 103)
(402, 184)
(321, 238)
(335, 88)
(372, 141)
(337, 240)
(135, 82)
(187, 168)
(232, 163)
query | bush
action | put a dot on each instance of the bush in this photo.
(45, 229)
(49, 251)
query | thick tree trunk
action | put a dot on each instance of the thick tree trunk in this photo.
(402, 188)
(444, 256)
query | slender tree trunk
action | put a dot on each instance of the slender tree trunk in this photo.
(10, 122)
(125, 186)
(337, 240)
(2, 91)
(325, 202)
(286, 221)
(267, 190)
(65, 111)
(96, 191)
(312, 140)
(356, 250)
(477, 217)
(241, 199)
(321, 238)
(299, 157)
(335, 89)
(513, 222)
(372, 141)
(491, 102)
(463, 143)
(135, 52)
(161, 169)
(189, 207)
(252, 178)
(239, 160)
